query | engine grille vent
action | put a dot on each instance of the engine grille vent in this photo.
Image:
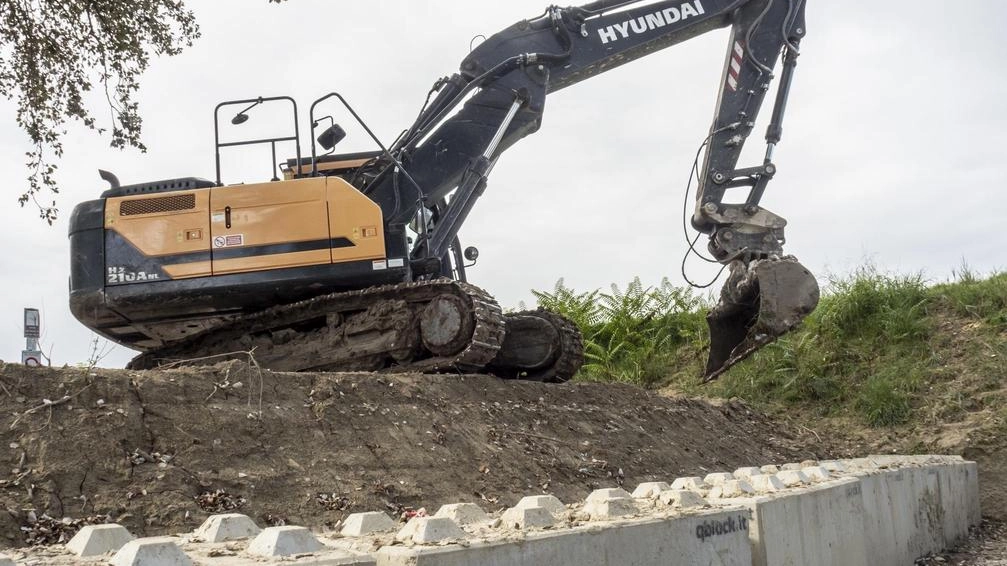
(155, 205)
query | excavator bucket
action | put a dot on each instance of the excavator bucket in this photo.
(760, 302)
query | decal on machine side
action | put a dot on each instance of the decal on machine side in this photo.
(118, 274)
(229, 240)
(651, 21)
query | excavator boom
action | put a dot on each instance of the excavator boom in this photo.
(517, 68)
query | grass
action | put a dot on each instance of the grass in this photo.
(634, 334)
(886, 348)
(975, 297)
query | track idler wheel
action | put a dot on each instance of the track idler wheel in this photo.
(759, 302)
(539, 346)
(446, 325)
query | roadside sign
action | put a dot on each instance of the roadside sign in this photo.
(31, 356)
(32, 323)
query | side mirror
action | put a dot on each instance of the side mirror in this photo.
(331, 136)
(471, 253)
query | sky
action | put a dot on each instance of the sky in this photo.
(893, 147)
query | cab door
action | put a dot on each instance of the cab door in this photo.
(269, 226)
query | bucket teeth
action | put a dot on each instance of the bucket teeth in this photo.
(760, 301)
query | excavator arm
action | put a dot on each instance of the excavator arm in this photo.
(438, 168)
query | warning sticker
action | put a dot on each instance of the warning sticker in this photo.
(229, 240)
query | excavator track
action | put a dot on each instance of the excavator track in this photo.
(565, 349)
(572, 349)
(425, 326)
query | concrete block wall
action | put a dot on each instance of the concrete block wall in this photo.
(703, 538)
(916, 505)
(877, 511)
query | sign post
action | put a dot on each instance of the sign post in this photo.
(31, 356)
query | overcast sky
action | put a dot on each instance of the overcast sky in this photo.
(893, 146)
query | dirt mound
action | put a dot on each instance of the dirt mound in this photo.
(160, 451)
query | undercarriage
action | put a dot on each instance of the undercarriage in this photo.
(426, 326)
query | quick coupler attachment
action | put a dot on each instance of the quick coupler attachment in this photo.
(761, 300)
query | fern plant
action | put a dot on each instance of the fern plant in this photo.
(630, 334)
(582, 308)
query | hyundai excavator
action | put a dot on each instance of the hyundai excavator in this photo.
(353, 261)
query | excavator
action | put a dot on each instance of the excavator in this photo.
(353, 261)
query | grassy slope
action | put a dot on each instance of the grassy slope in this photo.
(880, 350)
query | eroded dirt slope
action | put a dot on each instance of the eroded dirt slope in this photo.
(160, 451)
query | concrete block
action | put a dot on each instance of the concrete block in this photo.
(769, 469)
(230, 526)
(361, 524)
(791, 466)
(929, 532)
(650, 490)
(905, 513)
(809, 463)
(732, 488)
(811, 526)
(284, 541)
(747, 473)
(681, 498)
(691, 483)
(865, 464)
(879, 517)
(430, 530)
(6, 561)
(153, 551)
(718, 478)
(793, 478)
(833, 466)
(527, 518)
(972, 492)
(953, 499)
(608, 494)
(701, 539)
(95, 540)
(344, 552)
(832, 519)
(463, 513)
(550, 502)
(609, 504)
(817, 474)
(610, 509)
(886, 461)
(767, 483)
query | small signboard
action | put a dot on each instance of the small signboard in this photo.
(32, 323)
